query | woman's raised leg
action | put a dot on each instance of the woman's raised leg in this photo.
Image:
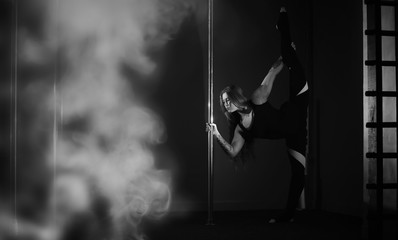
(297, 81)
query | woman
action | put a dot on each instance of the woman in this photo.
(257, 118)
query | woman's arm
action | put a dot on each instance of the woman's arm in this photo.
(261, 94)
(237, 141)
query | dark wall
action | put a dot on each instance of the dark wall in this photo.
(338, 86)
(180, 100)
(5, 98)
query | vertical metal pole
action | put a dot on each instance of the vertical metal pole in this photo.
(55, 117)
(55, 137)
(14, 95)
(210, 152)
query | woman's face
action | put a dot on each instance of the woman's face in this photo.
(229, 106)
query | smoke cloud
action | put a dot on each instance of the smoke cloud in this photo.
(98, 153)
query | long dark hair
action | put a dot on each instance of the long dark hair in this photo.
(235, 95)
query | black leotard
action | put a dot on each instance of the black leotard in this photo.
(289, 122)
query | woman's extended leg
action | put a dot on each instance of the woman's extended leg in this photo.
(296, 124)
(297, 81)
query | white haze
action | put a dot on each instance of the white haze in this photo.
(109, 156)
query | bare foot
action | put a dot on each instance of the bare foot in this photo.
(283, 9)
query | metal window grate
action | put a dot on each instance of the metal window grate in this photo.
(377, 154)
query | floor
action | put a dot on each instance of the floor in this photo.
(254, 225)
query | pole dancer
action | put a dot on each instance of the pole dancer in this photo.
(257, 118)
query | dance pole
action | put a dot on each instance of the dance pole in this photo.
(55, 116)
(14, 107)
(210, 144)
